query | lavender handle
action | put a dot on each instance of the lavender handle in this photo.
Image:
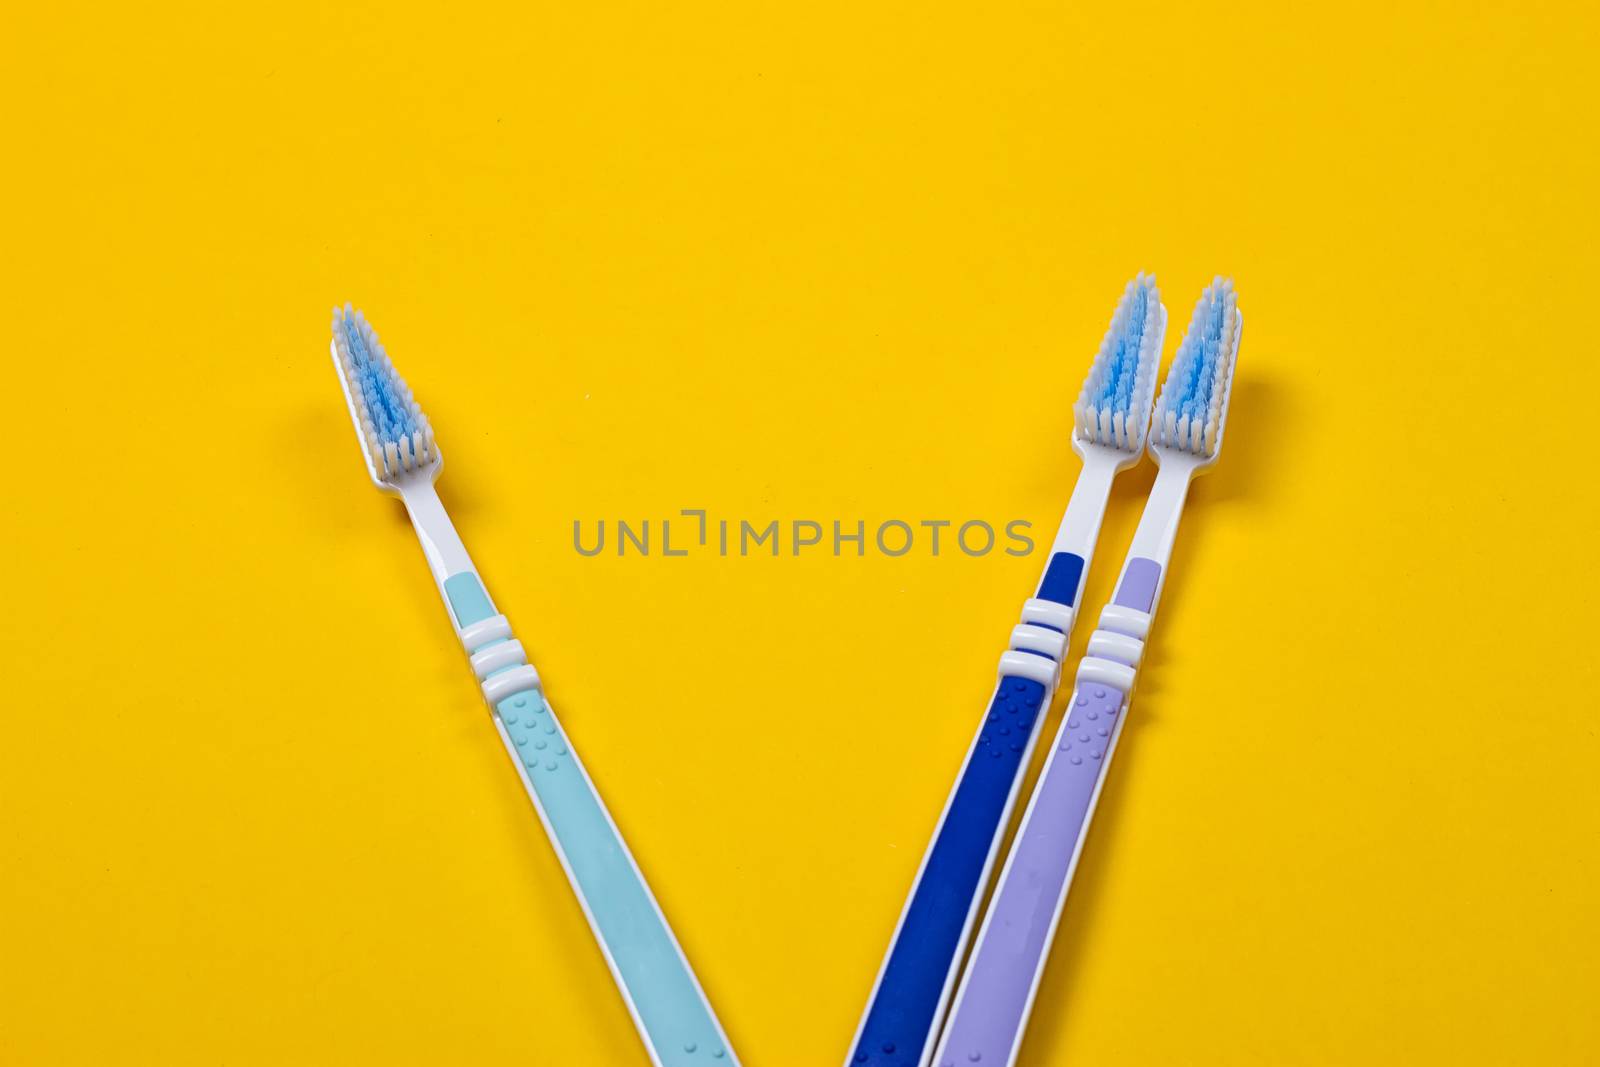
(988, 1021)
(996, 995)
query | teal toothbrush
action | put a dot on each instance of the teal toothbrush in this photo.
(668, 1006)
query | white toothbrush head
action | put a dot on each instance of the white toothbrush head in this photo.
(1192, 411)
(1113, 410)
(396, 438)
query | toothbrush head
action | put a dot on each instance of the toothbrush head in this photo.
(1192, 410)
(1114, 408)
(395, 436)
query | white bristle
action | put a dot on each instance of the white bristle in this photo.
(397, 438)
(1201, 374)
(1113, 407)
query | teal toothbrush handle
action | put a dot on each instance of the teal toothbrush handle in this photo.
(668, 1006)
(671, 1011)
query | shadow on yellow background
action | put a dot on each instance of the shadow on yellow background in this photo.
(813, 262)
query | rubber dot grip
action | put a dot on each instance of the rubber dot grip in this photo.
(900, 1021)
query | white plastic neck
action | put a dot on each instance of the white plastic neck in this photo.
(1080, 525)
(441, 545)
(1158, 526)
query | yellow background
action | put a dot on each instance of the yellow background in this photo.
(823, 260)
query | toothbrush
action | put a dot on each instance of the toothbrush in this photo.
(667, 1004)
(914, 982)
(997, 991)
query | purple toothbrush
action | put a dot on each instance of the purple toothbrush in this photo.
(996, 993)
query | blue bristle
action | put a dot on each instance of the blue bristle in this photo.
(1116, 388)
(1114, 406)
(1193, 403)
(392, 429)
(391, 415)
(1194, 368)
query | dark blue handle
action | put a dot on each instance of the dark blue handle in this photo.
(900, 1020)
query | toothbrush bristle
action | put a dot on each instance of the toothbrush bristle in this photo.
(1194, 399)
(393, 429)
(1114, 407)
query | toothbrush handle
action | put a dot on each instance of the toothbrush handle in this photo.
(997, 991)
(907, 1004)
(996, 995)
(668, 1006)
(902, 1017)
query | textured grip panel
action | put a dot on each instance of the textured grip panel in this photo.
(992, 1009)
(672, 1014)
(901, 1018)
(669, 1005)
